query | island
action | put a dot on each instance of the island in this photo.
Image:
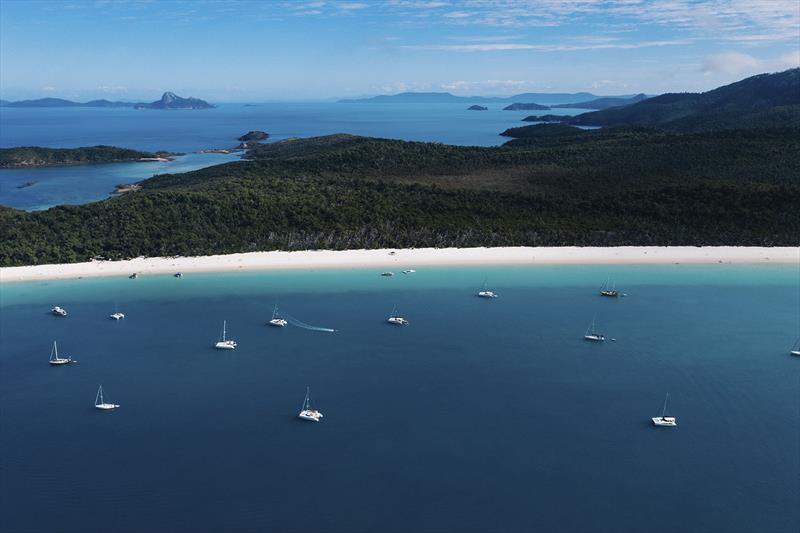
(168, 100)
(477, 108)
(254, 135)
(172, 101)
(525, 107)
(36, 156)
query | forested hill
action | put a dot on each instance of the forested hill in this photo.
(766, 100)
(36, 156)
(621, 187)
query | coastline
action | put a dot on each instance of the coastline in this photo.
(407, 258)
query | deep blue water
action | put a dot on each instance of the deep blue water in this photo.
(189, 131)
(479, 416)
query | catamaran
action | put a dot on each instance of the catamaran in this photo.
(225, 343)
(276, 320)
(100, 403)
(395, 319)
(593, 335)
(58, 311)
(56, 360)
(664, 420)
(307, 413)
(609, 290)
(484, 293)
(796, 348)
(117, 315)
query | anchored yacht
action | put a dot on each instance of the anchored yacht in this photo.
(387, 274)
(100, 403)
(796, 348)
(593, 335)
(307, 412)
(58, 311)
(609, 290)
(276, 320)
(224, 343)
(117, 315)
(395, 319)
(55, 360)
(663, 420)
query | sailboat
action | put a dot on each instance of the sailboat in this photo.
(276, 320)
(56, 360)
(593, 335)
(484, 293)
(796, 348)
(58, 311)
(224, 343)
(395, 319)
(100, 403)
(609, 290)
(117, 315)
(307, 413)
(666, 421)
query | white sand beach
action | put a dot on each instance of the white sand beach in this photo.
(406, 258)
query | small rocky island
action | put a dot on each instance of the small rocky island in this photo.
(254, 135)
(171, 100)
(477, 107)
(525, 107)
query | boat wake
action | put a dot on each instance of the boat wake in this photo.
(300, 324)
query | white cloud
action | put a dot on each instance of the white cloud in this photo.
(730, 63)
(492, 47)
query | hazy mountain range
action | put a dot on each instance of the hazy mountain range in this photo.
(439, 98)
(168, 100)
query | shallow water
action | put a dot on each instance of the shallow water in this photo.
(479, 416)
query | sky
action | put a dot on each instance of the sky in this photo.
(234, 51)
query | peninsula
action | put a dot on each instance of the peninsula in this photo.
(36, 156)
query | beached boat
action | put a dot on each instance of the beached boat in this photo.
(307, 412)
(55, 360)
(276, 320)
(58, 311)
(663, 420)
(593, 335)
(395, 319)
(796, 348)
(100, 403)
(224, 343)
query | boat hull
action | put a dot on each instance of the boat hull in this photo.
(313, 416)
(59, 362)
(106, 406)
(795, 352)
(225, 345)
(278, 322)
(664, 421)
(594, 338)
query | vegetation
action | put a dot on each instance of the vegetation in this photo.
(35, 156)
(616, 187)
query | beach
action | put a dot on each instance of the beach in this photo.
(408, 258)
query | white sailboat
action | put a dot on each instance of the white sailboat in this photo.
(663, 420)
(395, 319)
(796, 348)
(100, 403)
(307, 412)
(56, 360)
(224, 343)
(276, 320)
(593, 335)
(609, 290)
(58, 311)
(485, 293)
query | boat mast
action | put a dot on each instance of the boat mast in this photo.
(664, 410)
(99, 395)
(54, 351)
(224, 325)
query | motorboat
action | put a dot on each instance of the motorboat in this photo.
(387, 274)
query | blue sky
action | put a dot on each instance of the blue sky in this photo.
(230, 50)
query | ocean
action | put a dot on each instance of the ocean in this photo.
(481, 415)
(189, 131)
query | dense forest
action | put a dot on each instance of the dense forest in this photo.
(609, 187)
(35, 156)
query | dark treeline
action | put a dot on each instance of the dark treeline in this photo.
(631, 187)
(31, 156)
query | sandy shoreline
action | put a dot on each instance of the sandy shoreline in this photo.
(406, 258)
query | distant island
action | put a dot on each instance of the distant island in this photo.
(477, 107)
(525, 107)
(440, 98)
(168, 100)
(35, 156)
(603, 103)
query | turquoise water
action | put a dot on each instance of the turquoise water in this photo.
(190, 131)
(479, 416)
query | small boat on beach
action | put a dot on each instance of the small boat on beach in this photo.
(593, 335)
(100, 403)
(276, 320)
(396, 320)
(55, 360)
(307, 412)
(663, 420)
(224, 343)
(58, 311)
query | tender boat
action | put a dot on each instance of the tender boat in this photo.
(276, 320)
(307, 412)
(224, 343)
(396, 320)
(387, 274)
(796, 348)
(663, 420)
(58, 311)
(100, 403)
(55, 360)
(593, 335)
